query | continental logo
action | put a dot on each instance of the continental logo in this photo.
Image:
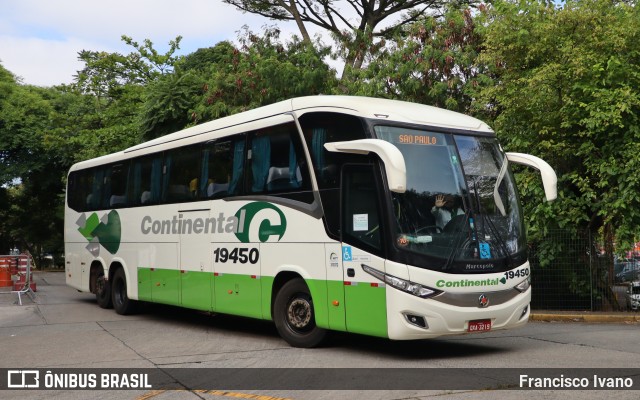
(257, 221)
(468, 283)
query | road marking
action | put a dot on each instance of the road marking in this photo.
(222, 393)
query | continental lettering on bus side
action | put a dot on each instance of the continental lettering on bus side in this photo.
(247, 221)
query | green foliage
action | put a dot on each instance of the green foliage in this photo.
(262, 70)
(167, 104)
(432, 61)
(562, 83)
(359, 30)
(567, 88)
(30, 173)
(24, 118)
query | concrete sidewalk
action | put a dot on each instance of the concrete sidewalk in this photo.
(585, 316)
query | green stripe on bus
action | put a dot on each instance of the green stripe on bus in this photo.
(357, 308)
(366, 309)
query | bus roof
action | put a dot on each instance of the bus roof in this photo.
(368, 107)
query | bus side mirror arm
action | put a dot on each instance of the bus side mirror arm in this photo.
(549, 178)
(389, 154)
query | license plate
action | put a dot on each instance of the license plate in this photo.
(479, 325)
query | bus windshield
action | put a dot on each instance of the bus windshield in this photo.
(460, 210)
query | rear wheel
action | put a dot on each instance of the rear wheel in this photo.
(121, 302)
(294, 315)
(103, 291)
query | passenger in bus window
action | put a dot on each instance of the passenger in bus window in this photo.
(444, 209)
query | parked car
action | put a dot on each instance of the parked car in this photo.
(629, 271)
(633, 295)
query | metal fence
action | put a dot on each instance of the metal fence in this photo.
(571, 271)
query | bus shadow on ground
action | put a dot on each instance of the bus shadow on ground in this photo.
(423, 349)
(426, 349)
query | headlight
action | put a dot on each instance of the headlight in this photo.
(524, 285)
(401, 284)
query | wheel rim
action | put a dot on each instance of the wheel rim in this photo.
(299, 314)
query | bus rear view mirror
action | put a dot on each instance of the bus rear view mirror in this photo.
(549, 178)
(389, 154)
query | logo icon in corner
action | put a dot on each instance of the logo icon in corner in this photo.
(103, 232)
(270, 225)
(483, 301)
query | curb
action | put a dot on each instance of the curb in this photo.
(596, 318)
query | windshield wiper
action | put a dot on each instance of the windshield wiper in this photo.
(486, 221)
(496, 195)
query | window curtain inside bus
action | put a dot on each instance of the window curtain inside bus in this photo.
(260, 162)
(107, 187)
(318, 139)
(204, 173)
(137, 183)
(238, 163)
(95, 197)
(156, 176)
(294, 179)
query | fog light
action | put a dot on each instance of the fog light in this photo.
(416, 320)
(524, 312)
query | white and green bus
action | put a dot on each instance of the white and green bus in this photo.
(353, 214)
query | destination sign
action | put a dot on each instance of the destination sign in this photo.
(418, 139)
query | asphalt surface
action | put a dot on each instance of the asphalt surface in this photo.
(62, 328)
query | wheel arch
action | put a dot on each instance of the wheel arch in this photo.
(279, 281)
(119, 264)
(94, 271)
(317, 289)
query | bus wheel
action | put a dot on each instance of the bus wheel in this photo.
(103, 291)
(121, 302)
(294, 316)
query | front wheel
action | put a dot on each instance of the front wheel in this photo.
(121, 302)
(294, 315)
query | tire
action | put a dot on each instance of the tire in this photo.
(121, 302)
(102, 289)
(294, 315)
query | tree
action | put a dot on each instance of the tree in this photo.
(567, 84)
(105, 74)
(261, 71)
(356, 39)
(30, 174)
(167, 103)
(567, 88)
(432, 61)
(23, 118)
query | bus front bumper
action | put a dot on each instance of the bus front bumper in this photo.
(411, 317)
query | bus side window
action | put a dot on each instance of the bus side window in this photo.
(79, 189)
(116, 186)
(323, 127)
(218, 170)
(146, 180)
(97, 181)
(181, 174)
(277, 161)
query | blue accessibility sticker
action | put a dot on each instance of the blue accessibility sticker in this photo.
(346, 253)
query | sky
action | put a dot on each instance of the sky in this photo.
(40, 39)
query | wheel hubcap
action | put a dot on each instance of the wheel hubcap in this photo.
(299, 313)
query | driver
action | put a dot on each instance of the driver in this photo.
(444, 209)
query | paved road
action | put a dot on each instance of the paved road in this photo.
(66, 329)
